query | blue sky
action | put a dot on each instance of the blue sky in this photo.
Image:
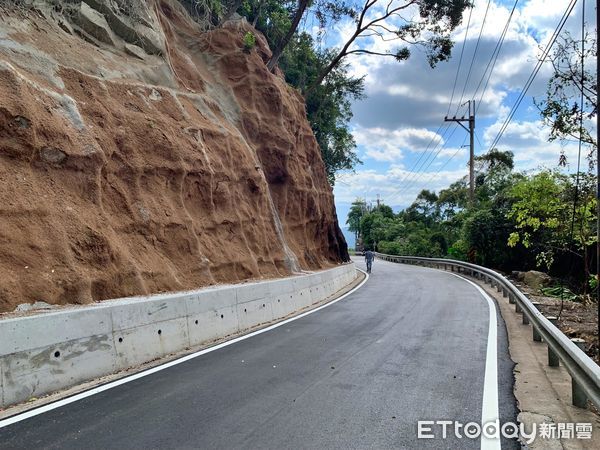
(406, 104)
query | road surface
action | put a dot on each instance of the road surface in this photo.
(410, 345)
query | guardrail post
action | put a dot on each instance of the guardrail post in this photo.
(504, 292)
(518, 309)
(511, 298)
(525, 318)
(537, 337)
(553, 360)
(577, 394)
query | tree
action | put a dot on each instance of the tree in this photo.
(301, 8)
(328, 107)
(357, 210)
(270, 17)
(452, 200)
(430, 30)
(231, 6)
(541, 215)
(562, 109)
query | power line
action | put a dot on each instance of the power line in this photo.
(577, 179)
(412, 182)
(537, 68)
(414, 167)
(447, 161)
(428, 161)
(494, 58)
(410, 176)
(475, 53)
(433, 175)
(462, 51)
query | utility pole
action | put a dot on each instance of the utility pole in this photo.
(471, 131)
(597, 190)
(378, 201)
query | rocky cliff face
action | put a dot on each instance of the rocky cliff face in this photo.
(139, 154)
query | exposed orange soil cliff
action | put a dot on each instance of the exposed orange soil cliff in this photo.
(186, 165)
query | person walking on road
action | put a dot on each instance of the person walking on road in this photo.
(369, 257)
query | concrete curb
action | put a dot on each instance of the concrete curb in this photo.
(49, 352)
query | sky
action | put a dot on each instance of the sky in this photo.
(399, 126)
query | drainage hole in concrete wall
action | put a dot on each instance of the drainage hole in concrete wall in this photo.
(245, 310)
(56, 354)
(278, 301)
(196, 322)
(120, 339)
(159, 331)
(221, 316)
(264, 305)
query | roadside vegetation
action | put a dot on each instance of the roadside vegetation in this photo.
(518, 222)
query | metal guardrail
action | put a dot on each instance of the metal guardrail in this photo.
(585, 373)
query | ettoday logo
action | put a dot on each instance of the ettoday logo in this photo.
(442, 429)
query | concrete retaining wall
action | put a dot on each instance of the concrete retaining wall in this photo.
(48, 352)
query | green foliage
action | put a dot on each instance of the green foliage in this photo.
(270, 17)
(357, 210)
(561, 292)
(208, 13)
(328, 106)
(593, 282)
(561, 108)
(321, 74)
(518, 222)
(390, 247)
(538, 208)
(459, 250)
(249, 41)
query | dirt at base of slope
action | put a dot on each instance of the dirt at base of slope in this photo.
(576, 320)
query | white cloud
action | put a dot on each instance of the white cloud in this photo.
(529, 142)
(382, 144)
(407, 100)
(396, 186)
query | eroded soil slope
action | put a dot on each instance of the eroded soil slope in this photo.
(185, 165)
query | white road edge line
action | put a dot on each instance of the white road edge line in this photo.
(59, 403)
(489, 408)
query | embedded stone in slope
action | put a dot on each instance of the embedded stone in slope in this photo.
(138, 34)
(135, 51)
(94, 23)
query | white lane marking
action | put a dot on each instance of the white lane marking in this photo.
(49, 407)
(489, 408)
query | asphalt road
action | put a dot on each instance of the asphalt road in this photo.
(409, 345)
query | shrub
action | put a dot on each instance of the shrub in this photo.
(249, 41)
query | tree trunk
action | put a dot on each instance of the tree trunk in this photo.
(332, 65)
(302, 4)
(258, 13)
(230, 11)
